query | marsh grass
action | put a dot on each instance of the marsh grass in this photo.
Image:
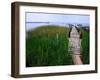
(85, 47)
(47, 46)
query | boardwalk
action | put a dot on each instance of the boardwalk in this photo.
(75, 45)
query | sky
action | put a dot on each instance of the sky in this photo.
(60, 19)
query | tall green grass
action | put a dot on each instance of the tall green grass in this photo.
(85, 47)
(47, 46)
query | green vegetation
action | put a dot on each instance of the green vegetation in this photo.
(85, 46)
(47, 46)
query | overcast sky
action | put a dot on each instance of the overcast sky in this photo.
(54, 19)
